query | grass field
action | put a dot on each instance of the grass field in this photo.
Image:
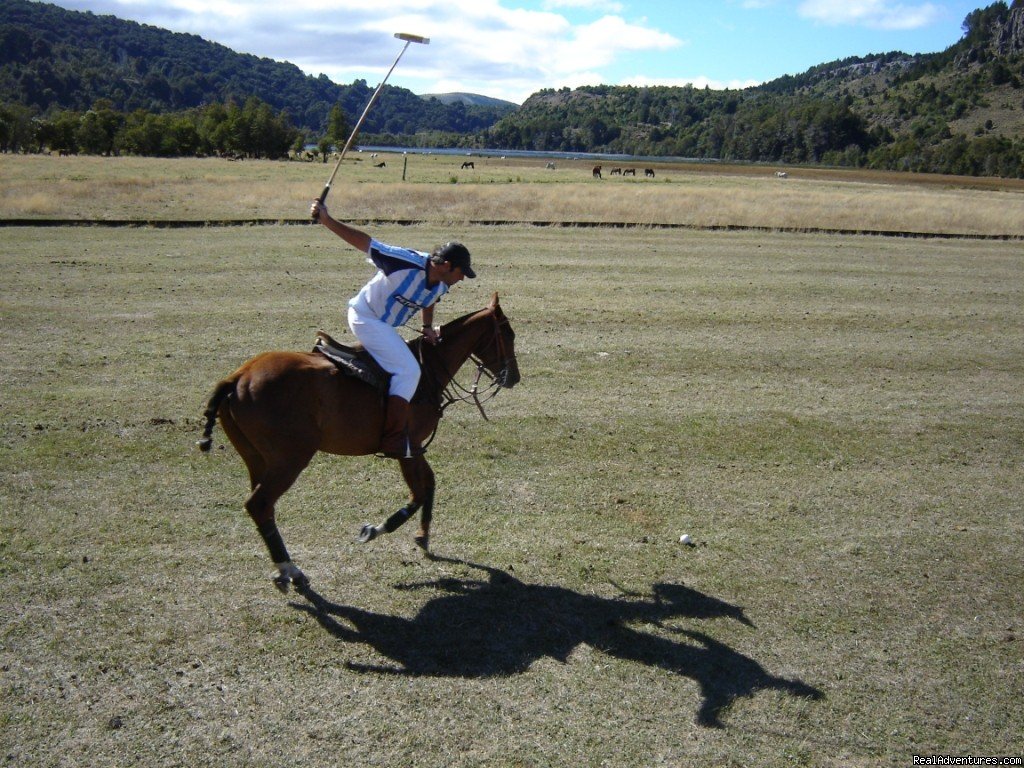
(835, 420)
(436, 191)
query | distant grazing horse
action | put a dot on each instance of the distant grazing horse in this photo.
(468, 164)
(597, 171)
(280, 408)
(629, 172)
(649, 173)
(381, 164)
(615, 172)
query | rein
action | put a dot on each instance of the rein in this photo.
(454, 392)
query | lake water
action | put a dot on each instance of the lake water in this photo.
(595, 156)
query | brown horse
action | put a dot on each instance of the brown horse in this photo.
(280, 408)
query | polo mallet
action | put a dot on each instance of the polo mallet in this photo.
(352, 137)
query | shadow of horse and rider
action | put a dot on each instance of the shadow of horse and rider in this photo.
(499, 626)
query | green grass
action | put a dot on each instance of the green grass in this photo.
(835, 420)
(508, 190)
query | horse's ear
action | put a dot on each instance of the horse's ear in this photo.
(494, 302)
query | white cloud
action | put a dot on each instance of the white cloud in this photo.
(877, 14)
(602, 6)
(484, 46)
(511, 53)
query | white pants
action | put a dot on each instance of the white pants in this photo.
(389, 349)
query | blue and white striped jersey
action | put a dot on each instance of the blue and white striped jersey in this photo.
(399, 289)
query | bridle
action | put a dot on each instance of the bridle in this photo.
(495, 382)
(454, 392)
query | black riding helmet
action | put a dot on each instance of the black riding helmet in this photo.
(456, 254)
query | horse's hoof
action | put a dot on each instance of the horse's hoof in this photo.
(369, 533)
(290, 576)
(423, 542)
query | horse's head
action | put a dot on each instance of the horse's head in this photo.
(487, 338)
(497, 351)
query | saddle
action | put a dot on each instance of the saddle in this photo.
(352, 361)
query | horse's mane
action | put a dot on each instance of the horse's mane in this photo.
(457, 323)
(452, 326)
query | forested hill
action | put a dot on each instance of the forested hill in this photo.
(52, 58)
(957, 111)
(77, 81)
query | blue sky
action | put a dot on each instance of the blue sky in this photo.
(511, 48)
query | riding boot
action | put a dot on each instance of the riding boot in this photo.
(395, 441)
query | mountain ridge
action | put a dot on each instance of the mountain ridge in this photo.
(469, 99)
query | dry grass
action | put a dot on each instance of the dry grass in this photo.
(836, 420)
(508, 190)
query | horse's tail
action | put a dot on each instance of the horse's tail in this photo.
(223, 390)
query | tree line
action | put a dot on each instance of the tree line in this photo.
(762, 126)
(252, 129)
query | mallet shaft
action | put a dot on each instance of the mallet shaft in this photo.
(359, 123)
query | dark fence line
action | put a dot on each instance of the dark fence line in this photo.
(209, 223)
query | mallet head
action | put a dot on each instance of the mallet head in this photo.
(412, 38)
